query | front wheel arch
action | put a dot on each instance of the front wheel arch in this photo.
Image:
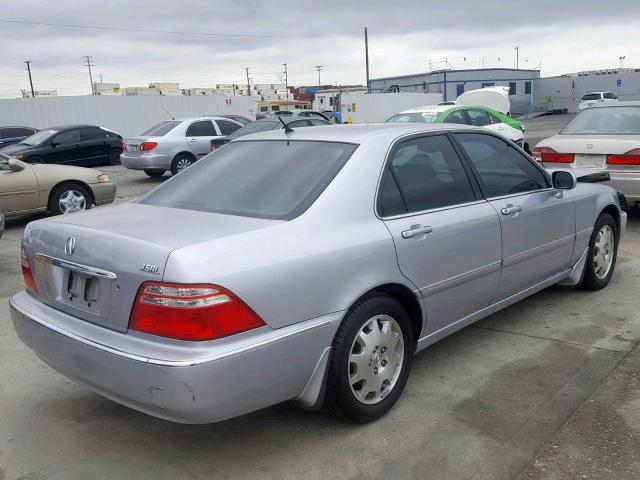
(68, 183)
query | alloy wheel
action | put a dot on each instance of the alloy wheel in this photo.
(72, 201)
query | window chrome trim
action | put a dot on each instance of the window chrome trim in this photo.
(432, 210)
(520, 194)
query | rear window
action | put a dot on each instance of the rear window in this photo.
(605, 120)
(413, 118)
(255, 127)
(263, 179)
(591, 96)
(161, 129)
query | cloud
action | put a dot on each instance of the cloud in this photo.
(404, 36)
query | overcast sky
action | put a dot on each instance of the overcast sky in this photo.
(561, 35)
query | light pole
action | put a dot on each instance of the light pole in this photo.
(622, 60)
(286, 80)
(319, 69)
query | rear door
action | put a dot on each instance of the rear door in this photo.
(95, 146)
(199, 135)
(538, 222)
(447, 238)
(227, 127)
(18, 189)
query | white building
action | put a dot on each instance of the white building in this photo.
(107, 89)
(39, 93)
(329, 99)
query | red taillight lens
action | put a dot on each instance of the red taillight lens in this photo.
(26, 272)
(190, 311)
(546, 154)
(632, 157)
(147, 146)
(212, 147)
(123, 146)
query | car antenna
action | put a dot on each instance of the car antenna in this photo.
(287, 128)
(168, 112)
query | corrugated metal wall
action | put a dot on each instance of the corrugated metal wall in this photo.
(378, 107)
(125, 115)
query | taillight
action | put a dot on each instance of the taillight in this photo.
(546, 154)
(632, 157)
(26, 272)
(212, 147)
(147, 146)
(190, 311)
(123, 146)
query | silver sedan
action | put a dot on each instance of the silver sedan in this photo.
(308, 266)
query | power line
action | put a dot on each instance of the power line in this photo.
(172, 32)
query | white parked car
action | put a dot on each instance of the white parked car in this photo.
(591, 99)
(605, 138)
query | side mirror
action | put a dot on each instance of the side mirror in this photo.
(54, 144)
(563, 180)
(16, 165)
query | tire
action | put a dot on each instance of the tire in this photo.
(76, 197)
(114, 156)
(35, 159)
(180, 162)
(602, 254)
(351, 398)
(154, 173)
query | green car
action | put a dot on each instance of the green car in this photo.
(477, 115)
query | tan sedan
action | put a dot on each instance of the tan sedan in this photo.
(26, 188)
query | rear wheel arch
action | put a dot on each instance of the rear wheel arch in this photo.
(405, 297)
(68, 183)
(188, 154)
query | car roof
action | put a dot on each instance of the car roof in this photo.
(18, 126)
(190, 119)
(357, 133)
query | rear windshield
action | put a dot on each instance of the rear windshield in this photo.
(255, 127)
(591, 96)
(605, 120)
(275, 179)
(161, 129)
(413, 118)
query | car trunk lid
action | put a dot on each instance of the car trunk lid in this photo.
(496, 98)
(591, 151)
(96, 275)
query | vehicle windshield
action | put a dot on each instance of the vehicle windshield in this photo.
(255, 127)
(262, 179)
(605, 121)
(413, 118)
(39, 137)
(161, 129)
(591, 96)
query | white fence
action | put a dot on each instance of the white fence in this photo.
(126, 115)
(378, 107)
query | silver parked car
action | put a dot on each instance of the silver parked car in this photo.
(174, 144)
(305, 266)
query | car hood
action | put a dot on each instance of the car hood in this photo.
(15, 149)
(89, 175)
(592, 144)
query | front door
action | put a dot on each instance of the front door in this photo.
(18, 189)
(66, 148)
(199, 135)
(538, 222)
(447, 238)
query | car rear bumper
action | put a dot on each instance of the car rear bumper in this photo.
(627, 183)
(104, 193)
(182, 381)
(147, 161)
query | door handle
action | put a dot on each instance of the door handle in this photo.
(416, 230)
(509, 209)
(193, 139)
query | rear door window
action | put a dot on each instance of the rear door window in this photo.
(591, 96)
(93, 133)
(67, 138)
(423, 174)
(276, 179)
(203, 128)
(478, 117)
(457, 116)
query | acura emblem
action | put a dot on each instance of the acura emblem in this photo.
(70, 246)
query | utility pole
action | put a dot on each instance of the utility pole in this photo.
(33, 93)
(366, 56)
(248, 82)
(100, 78)
(90, 64)
(517, 58)
(286, 80)
(319, 69)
